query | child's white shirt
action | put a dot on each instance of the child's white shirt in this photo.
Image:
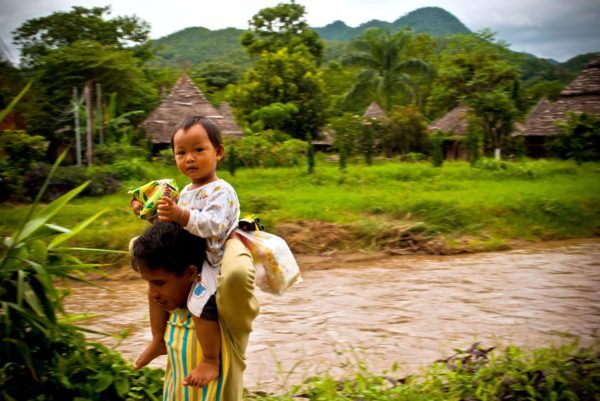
(214, 213)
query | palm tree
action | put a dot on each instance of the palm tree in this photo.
(387, 68)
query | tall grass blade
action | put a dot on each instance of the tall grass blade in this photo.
(47, 213)
(14, 102)
(66, 236)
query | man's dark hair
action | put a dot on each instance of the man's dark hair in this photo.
(168, 246)
(213, 131)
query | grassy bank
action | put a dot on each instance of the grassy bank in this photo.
(554, 373)
(390, 205)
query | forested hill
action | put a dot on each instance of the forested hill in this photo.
(200, 44)
(432, 20)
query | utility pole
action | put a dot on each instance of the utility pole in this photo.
(99, 111)
(90, 122)
(77, 127)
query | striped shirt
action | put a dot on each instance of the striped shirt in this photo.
(184, 353)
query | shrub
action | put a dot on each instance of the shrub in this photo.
(108, 154)
(44, 358)
(102, 181)
(19, 152)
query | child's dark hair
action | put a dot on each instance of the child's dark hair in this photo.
(213, 131)
(168, 246)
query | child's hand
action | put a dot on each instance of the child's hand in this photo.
(136, 206)
(168, 210)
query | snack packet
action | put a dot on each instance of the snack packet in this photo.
(149, 194)
(275, 266)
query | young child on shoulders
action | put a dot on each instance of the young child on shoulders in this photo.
(208, 207)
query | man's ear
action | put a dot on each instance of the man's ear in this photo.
(191, 272)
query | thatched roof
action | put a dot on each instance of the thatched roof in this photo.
(228, 124)
(184, 100)
(456, 121)
(581, 95)
(374, 111)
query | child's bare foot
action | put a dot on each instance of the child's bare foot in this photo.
(202, 374)
(153, 350)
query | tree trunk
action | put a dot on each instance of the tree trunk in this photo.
(90, 123)
(77, 127)
(99, 111)
(497, 153)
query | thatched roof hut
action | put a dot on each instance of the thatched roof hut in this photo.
(581, 95)
(184, 100)
(374, 111)
(455, 121)
(228, 124)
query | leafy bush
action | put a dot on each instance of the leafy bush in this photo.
(44, 358)
(19, 152)
(107, 154)
(102, 181)
(267, 149)
(579, 139)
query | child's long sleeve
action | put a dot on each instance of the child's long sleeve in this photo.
(216, 217)
(214, 214)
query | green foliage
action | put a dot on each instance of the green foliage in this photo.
(347, 130)
(267, 149)
(38, 37)
(44, 358)
(216, 75)
(310, 155)
(474, 141)
(495, 112)
(199, 45)
(579, 138)
(468, 66)
(437, 155)
(231, 159)
(273, 116)
(282, 26)
(403, 130)
(18, 154)
(387, 68)
(560, 373)
(287, 78)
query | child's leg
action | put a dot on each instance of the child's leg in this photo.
(158, 325)
(209, 336)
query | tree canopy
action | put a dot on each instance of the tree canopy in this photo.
(284, 25)
(283, 77)
(387, 67)
(37, 37)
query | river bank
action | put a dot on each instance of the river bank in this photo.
(410, 310)
(390, 207)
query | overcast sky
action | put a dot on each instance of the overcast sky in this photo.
(558, 29)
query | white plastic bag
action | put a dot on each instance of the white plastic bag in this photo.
(275, 266)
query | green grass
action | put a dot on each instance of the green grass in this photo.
(481, 208)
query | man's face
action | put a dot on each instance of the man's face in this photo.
(167, 289)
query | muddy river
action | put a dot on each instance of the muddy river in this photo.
(410, 310)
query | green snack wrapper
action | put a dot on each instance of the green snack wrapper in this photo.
(150, 193)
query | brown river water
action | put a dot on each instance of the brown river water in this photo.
(410, 310)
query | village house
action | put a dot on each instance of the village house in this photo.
(185, 100)
(581, 95)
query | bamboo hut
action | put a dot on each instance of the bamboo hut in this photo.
(581, 95)
(184, 100)
(374, 111)
(455, 123)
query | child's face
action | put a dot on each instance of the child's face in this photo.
(167, 289)
(195, 155)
